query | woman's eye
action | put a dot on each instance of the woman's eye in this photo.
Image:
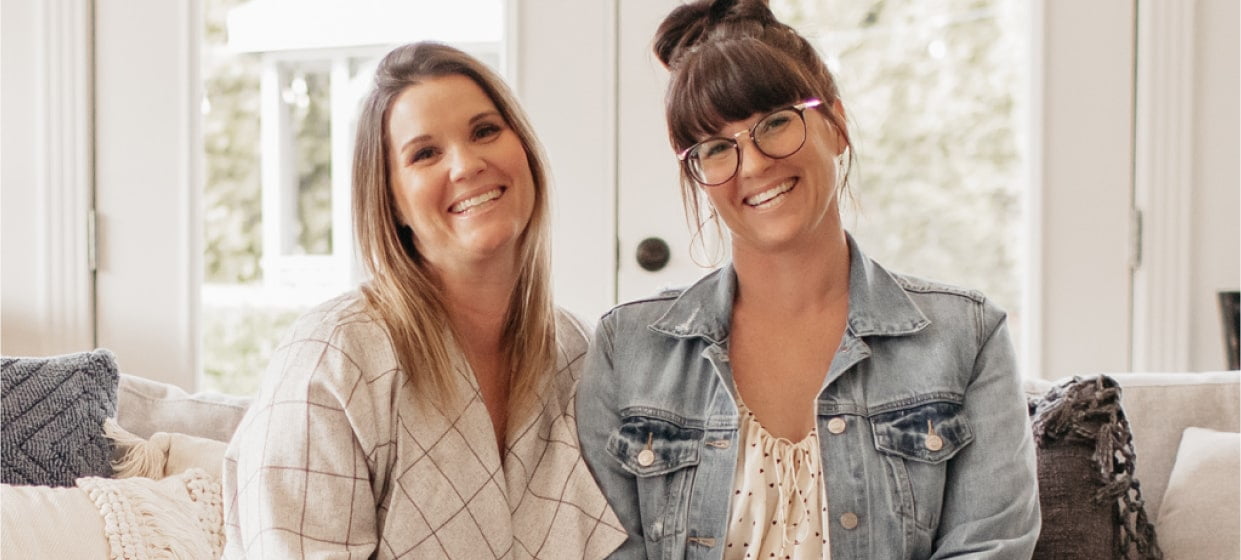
(776, 122)
(485, 131)
(422, 154)
(713, 150)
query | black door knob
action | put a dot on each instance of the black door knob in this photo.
(653, 254)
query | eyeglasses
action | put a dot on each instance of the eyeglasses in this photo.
(777, 135)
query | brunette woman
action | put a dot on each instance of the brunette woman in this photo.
(802, 401)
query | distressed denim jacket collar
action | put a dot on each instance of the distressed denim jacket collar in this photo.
(878, 305)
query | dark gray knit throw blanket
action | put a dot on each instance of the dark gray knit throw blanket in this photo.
(1088, 410)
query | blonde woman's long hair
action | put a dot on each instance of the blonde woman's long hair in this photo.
(403, 291)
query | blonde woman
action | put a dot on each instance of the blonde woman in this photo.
(428, 414)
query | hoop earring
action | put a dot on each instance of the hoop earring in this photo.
(699, 239)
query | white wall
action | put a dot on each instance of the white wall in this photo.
(46, 274)
(20, 308)
(1216, 235)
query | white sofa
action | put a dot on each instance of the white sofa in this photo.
(1159, 406)
(1191, 500)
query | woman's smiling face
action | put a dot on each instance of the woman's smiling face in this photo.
(459, 173)
(772, 203)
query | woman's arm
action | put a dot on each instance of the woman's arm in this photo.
(297, 482)
(991, 507)
(598, 417)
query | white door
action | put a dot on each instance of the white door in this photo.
(648, 196)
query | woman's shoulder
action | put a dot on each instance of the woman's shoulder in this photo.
(345, 317)
(645, 311)
(572, 332)
(943, 302)
(919, 285)
(341, 338)
(573, 336)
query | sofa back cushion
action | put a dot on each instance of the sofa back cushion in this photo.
(1161, 405)
(145, 407)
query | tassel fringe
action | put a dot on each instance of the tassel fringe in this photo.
(134, 456)
(178, 518)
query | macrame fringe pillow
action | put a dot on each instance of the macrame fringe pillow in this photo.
(1092, 503)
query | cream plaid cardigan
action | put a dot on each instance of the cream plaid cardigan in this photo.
(336, 460)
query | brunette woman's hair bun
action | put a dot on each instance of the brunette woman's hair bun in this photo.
(689, 25)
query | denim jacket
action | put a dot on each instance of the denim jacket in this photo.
(658, 378)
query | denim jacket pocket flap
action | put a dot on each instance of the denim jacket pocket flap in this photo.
(648, 446)
(928, 432)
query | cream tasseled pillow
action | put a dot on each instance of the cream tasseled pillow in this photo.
(1200, 517)
(163, 454)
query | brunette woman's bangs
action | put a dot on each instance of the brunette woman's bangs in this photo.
(729, 81)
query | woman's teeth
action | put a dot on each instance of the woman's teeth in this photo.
(476, 200)
(769, 194)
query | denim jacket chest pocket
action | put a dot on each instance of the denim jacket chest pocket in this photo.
(661, 453)
(916, 441)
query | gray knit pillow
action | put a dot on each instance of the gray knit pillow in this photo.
(52, 412)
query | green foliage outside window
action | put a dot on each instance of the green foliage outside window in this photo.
(933, 92)
(311, 117)
(238, 337)
(232, 197)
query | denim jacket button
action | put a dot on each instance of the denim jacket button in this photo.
(646, 457)
(934, 442)
(849, 521)
(836, 425)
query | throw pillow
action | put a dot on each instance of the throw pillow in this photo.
(180, 516)
(1091, 502)
(53, 413)
(164, 454)
(1199, 517)
(36, 521)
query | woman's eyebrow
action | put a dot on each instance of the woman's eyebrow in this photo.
(484, 115)
(424, 137)
(412, 141)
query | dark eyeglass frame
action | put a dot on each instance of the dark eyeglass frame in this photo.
(684, 155)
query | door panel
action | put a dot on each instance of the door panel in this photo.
(648, 189)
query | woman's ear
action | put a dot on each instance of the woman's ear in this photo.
(838, 109)
(842, 132)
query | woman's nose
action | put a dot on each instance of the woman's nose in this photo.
(753, 160)
(466, 163)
